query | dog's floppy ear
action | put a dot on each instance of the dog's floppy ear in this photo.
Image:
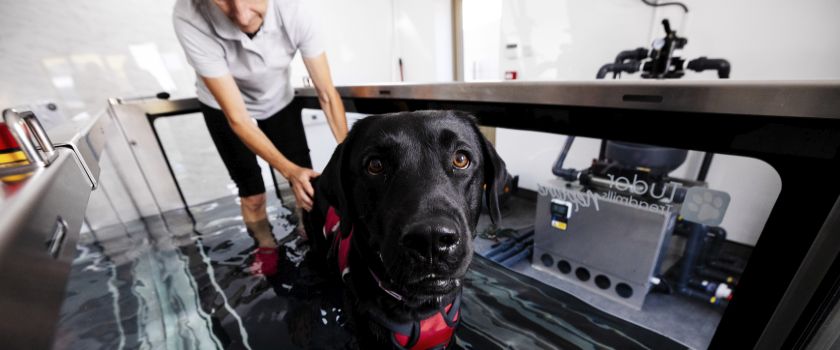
(495, 175)
(335, 185)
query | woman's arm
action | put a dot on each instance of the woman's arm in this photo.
(319, 72)
(226, 92)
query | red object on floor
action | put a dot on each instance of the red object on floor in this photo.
(266, 261)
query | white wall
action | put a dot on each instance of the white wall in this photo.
(482, 38)
(762, 39)
(359, 38)
(424, 39)
(569, 39)
(365, 39)
(80, 53)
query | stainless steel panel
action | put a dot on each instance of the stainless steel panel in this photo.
(32, 279)
(140, 163)
(40, 218)
(86, 138)
(771, 98)
(605, 236)
(111, 203)
(135, 181)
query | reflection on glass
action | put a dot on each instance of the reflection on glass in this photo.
(643, 232)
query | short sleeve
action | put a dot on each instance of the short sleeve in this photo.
(309, 38)
(204, 53)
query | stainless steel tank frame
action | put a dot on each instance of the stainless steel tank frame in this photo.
(40, 219)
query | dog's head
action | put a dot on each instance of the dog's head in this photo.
(411, 186)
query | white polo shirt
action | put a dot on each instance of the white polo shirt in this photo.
(215, 46)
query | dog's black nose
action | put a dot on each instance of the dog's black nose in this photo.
(430, 239)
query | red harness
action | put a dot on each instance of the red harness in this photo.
(432, 333)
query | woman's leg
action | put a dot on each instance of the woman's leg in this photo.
(285, 130)
(244, 170)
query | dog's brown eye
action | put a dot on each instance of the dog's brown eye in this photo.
(460, 160)
(375, 167)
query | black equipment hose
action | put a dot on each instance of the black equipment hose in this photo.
(654, 4)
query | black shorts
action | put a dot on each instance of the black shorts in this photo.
(284, 129)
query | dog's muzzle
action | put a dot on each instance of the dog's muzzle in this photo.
(432, 332)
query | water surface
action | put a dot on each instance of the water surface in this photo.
(170, 284)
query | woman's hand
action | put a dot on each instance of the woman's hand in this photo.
(300, 180)
(227, 94)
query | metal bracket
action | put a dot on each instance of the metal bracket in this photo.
(24, 126)
(85, 168)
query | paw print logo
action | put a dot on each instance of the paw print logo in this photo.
(704, 206)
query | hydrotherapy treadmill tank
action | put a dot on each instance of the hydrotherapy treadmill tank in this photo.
(181, 278)
(157, 267)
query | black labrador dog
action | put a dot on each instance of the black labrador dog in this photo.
(408, 189)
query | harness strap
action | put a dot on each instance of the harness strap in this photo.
(433, 332)
(341, 244)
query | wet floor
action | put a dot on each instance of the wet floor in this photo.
(164, 283)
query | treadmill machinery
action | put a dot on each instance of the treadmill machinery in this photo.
(608, 228)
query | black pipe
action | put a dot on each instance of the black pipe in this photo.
(557, 168)
(720, 65)
(658, 4)
(602, 72)
(637, 55)
(602, 153)
(704, 167)
(558, 164)
(629, 67)
(718, 238)
(715, 236)
(690, 255)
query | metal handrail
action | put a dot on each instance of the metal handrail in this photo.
(24, 124)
